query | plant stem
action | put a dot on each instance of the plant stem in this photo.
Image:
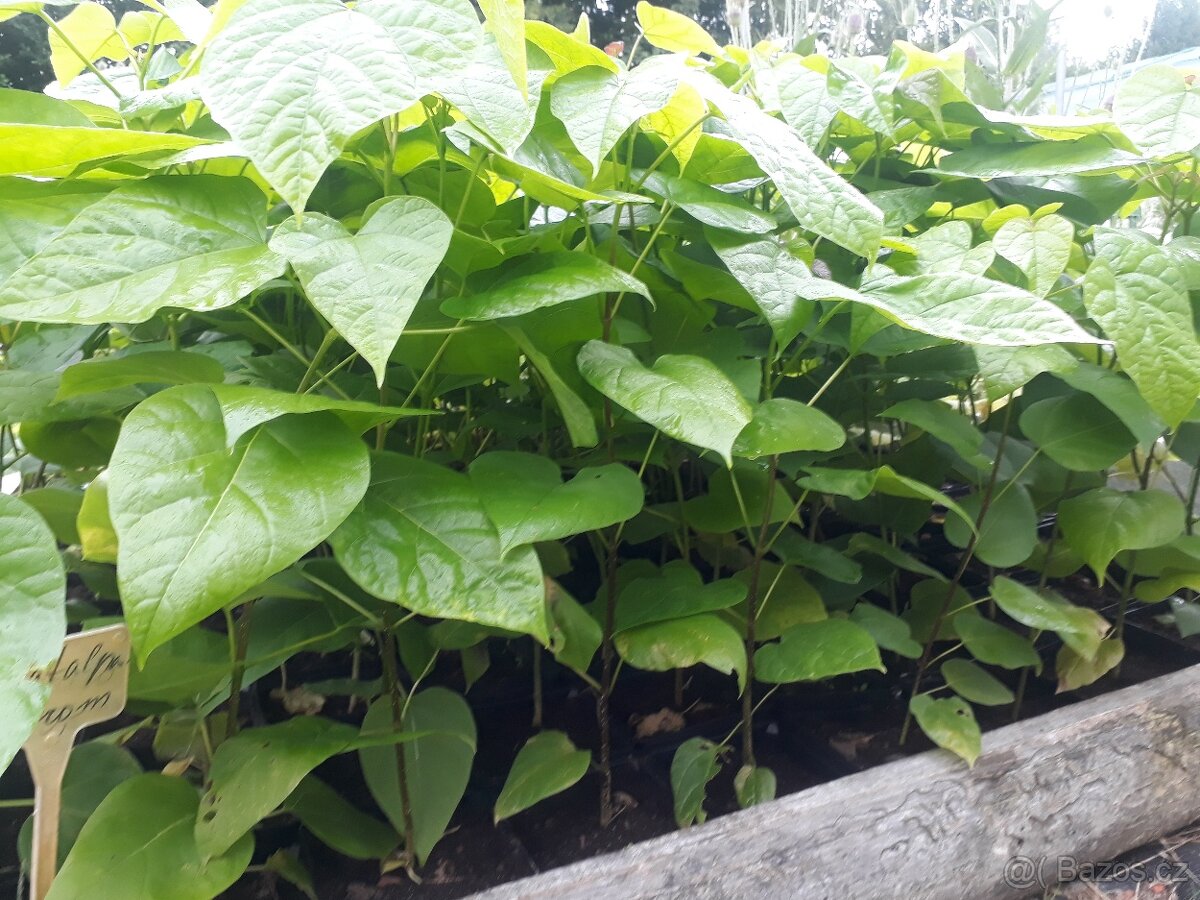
(537, 684)
(752, 617)
(968, 554)
(607, 658)
(239, 640)
(388, 651)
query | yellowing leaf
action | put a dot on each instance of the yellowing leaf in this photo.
(92, 31)
(674, 32)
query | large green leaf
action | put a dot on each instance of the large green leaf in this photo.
(820, 199)
(437, 764)
(333, 70)
(368, 283)
(949, 723)
(858, 484)
(1158, 108)
(1139, 295)
(32, 618)
(711, 206)
(940, 420)
(974, 310)
(804, 99)
(195, 243)
(1041, 248)
(256, 770)
(33, 212)
(685, 397)
(815, 651)
(675, 591)
(597, 105)
(525, 497)
(681, 643)
(150, 367)
(545, 766)
(422, 538)
(1092, 155)
(994, 644)
(244, 406)
(540, 280)
(200, 522)
(1078, 432)
(674, 32)
(146, 823)
(694, 765)
(1101, 523)
(44, 151)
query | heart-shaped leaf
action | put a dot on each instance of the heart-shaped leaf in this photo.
(681, 643)
(437, 765)
(1158, 108)
(685, 397)
(781, 425)
(199, 522)
(147, 824)
(368, 283)
(1041, 248)
(815, 651)
(525, 497)
(1102, 522)
(1078, 432)
(111, 263)
(1080, 628)
(421, 538)
(675, 591)
(548, 764)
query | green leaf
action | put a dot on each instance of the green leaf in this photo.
(1004, 369)
(368, 283)
(815, 651)
(525, 497)
(540, 280)
(581, 427)
(974, 310)
(1119, 394)
(1078, 432)
(150, 367)
(200, 523)
(1158, 108)
(574, 635)
(256, 770)
(331, 71)
(1009, 530)
(681, 643)
(888, 630)
(97, 539)
(45, 151)
(547, 765)
(567, 52)
(785, 599)
(1041, 248)
(781, 425)
(975, 683)
(675, 591)
(337, 823)
(950, 427)
(694, 765)
(1139, 296)
(1080, 628)
(437, 765)
(597, 106)
(32, 620)
(505, 20)
(950, 724)
(804, 99)
(94, 769)
(33, 212)
(994, 644)
(685, 397)
(674, 32)
(111, 263)
(59, 508)
(858, 484)
(421, 538)
(183, 671)
(1092, 155)
(1075, 671)
(147, 823)
(1101, 523)
(245, 406)
(81, 444)
(820, 199)
(754, 785)
(713, 207)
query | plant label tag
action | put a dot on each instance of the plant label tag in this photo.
(89, 683)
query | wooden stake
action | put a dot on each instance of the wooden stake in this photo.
(89, 684)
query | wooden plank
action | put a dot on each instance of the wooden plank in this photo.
(1087, 782)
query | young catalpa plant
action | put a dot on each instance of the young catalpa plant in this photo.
(350, 349)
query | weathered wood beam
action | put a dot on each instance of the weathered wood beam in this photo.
(1086, 782)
